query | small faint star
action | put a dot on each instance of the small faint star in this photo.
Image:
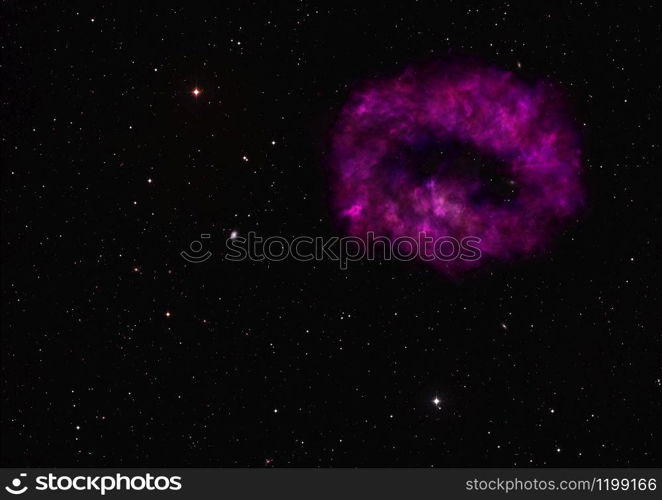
(436, 401)
(168, 314)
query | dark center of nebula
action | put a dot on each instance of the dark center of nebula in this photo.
(487, 174)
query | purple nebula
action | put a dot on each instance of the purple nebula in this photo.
(457, 150)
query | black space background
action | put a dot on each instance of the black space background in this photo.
(94, 373)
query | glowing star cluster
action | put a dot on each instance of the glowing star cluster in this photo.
(391, 176)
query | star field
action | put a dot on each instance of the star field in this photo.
(128, 131)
